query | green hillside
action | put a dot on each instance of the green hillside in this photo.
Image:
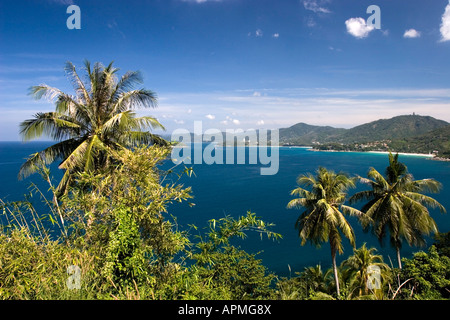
(399, 132)
(436, 140)
(305, 134)
(388, 129)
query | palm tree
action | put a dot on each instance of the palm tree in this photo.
(90, 125)
(396, 204)
(323, 217)
(314, 278)
(359, 267)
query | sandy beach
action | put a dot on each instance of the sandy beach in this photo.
(405, 154)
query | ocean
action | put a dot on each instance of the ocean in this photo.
(234, 189)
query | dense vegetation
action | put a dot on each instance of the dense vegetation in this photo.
(436, 140)
(110, 234)
(118, 231)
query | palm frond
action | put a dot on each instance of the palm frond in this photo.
(127, 82)
(78, 85)
(135, 138)
(51, 124)
(134, 99)
(75, 159)
(427, 186)
(47, 156)
(426, 200)
(362, 195)
(45, 91)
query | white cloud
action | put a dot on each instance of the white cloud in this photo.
(276, 35)
(236, 121)
(210, 116)
(257, 94)
(310, 22)
(358, 28)
(411, 33)
(284, 107)
(331, 48)
(315, 6)
(258, 33)
(179, 121)
(445, 25)
(260, 122)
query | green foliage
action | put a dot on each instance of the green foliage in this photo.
(356, 270)
(442, 243)
(429, 274)
(226, 271)
(315, 284)
(125, 259)
(230, 273)
(322, 219)
(436, 140)
(397, 206)
(36, 268)
(118, 231)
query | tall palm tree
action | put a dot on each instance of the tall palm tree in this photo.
(396, 204)
(90, 125)
(323, 217)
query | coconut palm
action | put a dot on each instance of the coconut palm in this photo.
(322, 219)
(314, 278)
(90, 125)
(396, 204)
(359, 267)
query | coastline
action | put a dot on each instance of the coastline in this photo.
(424, 155)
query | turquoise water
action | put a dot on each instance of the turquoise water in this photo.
(221, 190)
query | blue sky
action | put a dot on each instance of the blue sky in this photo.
(238, 63)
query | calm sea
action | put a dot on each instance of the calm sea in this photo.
(234, 189)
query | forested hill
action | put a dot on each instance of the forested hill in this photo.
(397, 128)
(436, 140)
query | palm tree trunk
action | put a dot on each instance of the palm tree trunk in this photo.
(399, 258)
(336, 278)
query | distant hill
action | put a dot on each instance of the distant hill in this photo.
(305, 134)
(394, 128)
(397, 128)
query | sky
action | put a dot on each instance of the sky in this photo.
(237, 64)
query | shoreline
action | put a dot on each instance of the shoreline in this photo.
(423, 155)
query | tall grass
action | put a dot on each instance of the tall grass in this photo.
(35, 256)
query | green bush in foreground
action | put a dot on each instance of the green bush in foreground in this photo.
(127, 246)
